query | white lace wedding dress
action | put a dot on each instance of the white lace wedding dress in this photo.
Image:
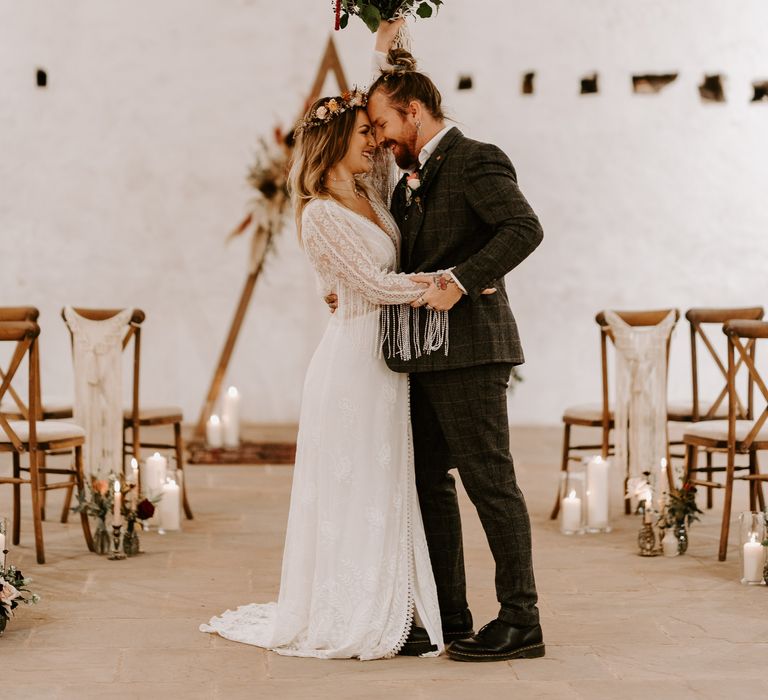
(356, 565)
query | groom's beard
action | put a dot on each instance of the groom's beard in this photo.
(406, 155)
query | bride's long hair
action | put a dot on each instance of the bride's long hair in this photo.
(317, 150)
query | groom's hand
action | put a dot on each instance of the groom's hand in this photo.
(442, 299)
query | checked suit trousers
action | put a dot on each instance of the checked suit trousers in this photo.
(459, 419)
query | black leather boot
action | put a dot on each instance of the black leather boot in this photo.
(455, 626)
(500, 641)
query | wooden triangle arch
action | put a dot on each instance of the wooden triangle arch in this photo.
(330, 63)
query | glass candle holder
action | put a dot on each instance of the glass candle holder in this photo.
(3, 541)
(598, 481)
(751, 549)
(572, 501)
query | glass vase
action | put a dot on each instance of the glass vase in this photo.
(751, 549)
(131, 543)
(646, 541)
(573, 501)
(102, 542)
(681, 532)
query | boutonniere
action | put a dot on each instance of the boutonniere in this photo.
(412, 184)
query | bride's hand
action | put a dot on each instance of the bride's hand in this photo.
(386, 34)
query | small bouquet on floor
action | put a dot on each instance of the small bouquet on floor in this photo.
(14, 591)
(681, 508)
(374, 12)
(99, 503)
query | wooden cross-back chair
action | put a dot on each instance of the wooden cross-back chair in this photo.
(741, 433)
(35, 437)
(138, 416)
(14, 405)
(600, 415)
(703, 322)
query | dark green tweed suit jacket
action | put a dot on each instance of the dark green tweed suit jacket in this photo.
(468, 214)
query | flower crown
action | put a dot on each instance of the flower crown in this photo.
(332, 108)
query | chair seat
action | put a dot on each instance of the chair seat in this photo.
(50, 405)
(586, 412)
(152, 412)
(718, 430)
(47, 431)
(682, 410)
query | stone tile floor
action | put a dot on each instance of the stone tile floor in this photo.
(616, 625)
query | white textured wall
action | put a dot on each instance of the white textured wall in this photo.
(120, 180)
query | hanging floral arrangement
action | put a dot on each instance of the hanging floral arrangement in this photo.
(374, 12)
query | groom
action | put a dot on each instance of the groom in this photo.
(461, 209)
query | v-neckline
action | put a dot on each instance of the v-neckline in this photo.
(377, 224)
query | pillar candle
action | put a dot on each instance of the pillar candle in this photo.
(597, 493)
(170, 506)
(117, 516)
(213, 432)
(231, 417)
(753, 560)
(570, 513)
(153, 474)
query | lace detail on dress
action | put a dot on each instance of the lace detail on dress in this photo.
(356, 259)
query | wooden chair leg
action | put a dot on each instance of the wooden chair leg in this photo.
(66, 507)
(80, 479)
(179, 444)
(726, 524)
(43, 483)
(37, 521)
(752, 482)
(759, 485)
(563, 468)
(710, 474)
(16, 499)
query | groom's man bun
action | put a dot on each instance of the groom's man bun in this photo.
(403, 84)
(401, 60)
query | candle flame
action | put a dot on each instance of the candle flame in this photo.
(572, 494)
(232, 391)
(117, 487)
(753, 537)
(215, 420)
(134, 463)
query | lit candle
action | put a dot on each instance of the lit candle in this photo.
(597, 494)
(213, 432)
(134, 475)
(754, 555)
(231, 417)
(170, 506)
(570, 513)
(117, 516)
(153, 474)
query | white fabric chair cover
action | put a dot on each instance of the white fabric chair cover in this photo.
(640, 405)
(98, 350)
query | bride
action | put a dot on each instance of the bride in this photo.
(356, 568)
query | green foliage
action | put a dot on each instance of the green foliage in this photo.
(10, 579)
(681, 506)
(374, 12)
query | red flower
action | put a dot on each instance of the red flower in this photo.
(145, 510)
